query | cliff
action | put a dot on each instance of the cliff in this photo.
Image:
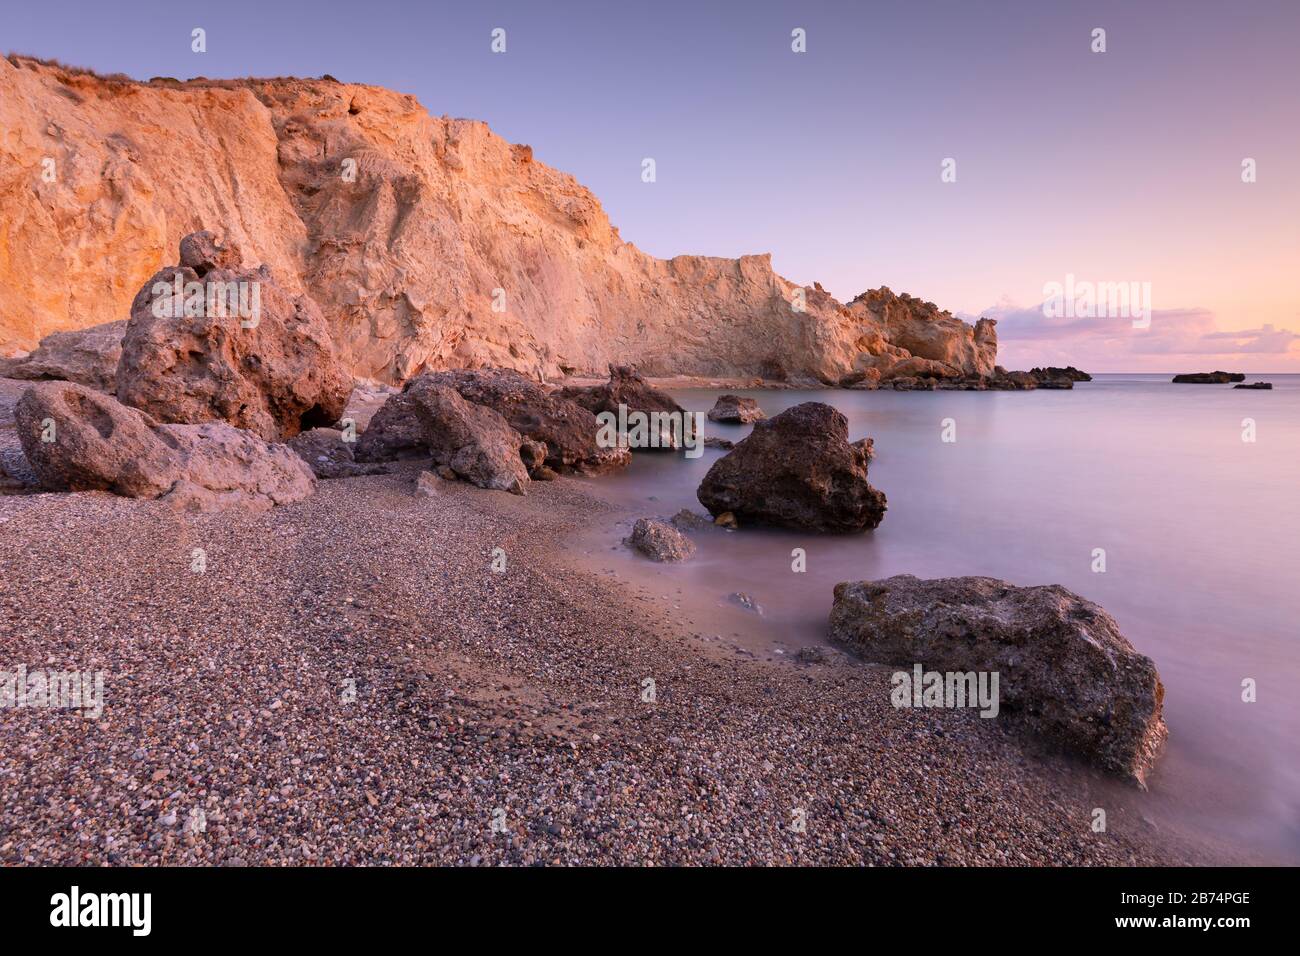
(401, 226)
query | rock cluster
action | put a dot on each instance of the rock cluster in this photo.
(797, 470)
(472, 440)
(1064, 668)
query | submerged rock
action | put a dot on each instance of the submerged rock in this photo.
(735, 410)
(797, 470)
(660, 541)
(1064, 668)
(1256, 385)
(254, 356)
(1209, 378)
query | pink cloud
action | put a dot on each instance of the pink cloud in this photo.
(1027, 337)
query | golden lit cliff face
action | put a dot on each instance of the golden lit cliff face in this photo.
(428, 242)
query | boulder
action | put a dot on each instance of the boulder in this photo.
(85, 356)
(1209, 378)
(722, 444)
(97, 443)
(472, 440)
(234, 346)
(78, 439)
(225, 467)
(1263, 386)
(630, 390)
(1064, 668)
(568, 430)
(735, 410)
(395, 433)
(329, 456)
(797, 470)
(660, 541)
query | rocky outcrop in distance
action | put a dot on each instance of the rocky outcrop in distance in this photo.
(428, 243)
(1209, 378)
(1064, 668)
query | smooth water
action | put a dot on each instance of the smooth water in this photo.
(1201, 532)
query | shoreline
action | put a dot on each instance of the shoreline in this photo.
(475, 692)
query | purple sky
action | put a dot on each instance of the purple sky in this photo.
(1123, 166)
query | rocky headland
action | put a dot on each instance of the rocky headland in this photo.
(422, 243)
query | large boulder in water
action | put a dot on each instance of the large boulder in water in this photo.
(568, 429)
(210, 340)
(85, 356)
(1064, 668)
(77, 439)
(735, 410)
(472, 440)
(797, 470)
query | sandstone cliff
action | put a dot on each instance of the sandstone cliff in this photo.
(401, 226)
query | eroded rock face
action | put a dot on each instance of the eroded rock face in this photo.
(923, 331)
(254, 356)
(404, 257)
(735, 410)
(660, 541)
(85, 356)
(797, 470)
(568, 430)
(97, 443)
(472, 440)
(1064, 668)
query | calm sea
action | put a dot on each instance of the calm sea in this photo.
(1200, 528)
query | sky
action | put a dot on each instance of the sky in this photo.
(1123, 166)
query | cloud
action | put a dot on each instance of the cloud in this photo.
(1026, 336)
